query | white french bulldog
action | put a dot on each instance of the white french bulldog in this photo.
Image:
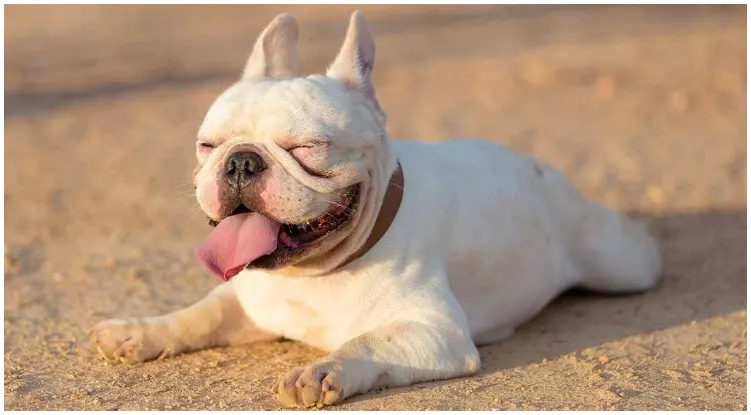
(397, 257)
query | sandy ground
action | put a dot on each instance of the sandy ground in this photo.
(644, 108)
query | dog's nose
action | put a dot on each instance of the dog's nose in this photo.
(241, 167)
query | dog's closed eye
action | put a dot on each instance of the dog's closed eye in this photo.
(314, 143)
(312, 156)
(204, 148)
(308, 150)
(321, 143)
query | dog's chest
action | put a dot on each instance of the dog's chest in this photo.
(315, 312)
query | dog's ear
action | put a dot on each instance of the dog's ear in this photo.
(353, 67)
(275, 52)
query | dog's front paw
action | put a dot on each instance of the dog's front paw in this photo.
(130, 341)
(304, 387)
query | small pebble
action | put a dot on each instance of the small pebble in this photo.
(12, 265)
(109, 263)
(604, 87)
(133, 274)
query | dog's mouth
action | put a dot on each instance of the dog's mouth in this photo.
(295, 236)
(246, 238)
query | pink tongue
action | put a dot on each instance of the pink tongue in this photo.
(235, 242)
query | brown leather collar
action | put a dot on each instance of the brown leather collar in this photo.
(391, 202)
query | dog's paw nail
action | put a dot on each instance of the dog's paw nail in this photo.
(332, 390)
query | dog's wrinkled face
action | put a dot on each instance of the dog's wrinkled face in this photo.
(301, 154)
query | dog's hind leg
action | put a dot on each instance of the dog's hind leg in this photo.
(615, 253)
(611, 252)
(216, 320)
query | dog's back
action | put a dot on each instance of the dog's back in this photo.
(514, 232)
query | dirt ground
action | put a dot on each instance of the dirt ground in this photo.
(643, 107)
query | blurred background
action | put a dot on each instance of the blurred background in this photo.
(643, 107)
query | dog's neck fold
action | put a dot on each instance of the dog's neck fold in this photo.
(367, 235)
(389, 208)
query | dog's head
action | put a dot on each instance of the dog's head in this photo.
(292, 170)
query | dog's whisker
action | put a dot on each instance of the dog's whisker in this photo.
(193, 209)
(185, 195)
(182, 199)
(348, 209)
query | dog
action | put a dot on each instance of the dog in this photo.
(399, 258)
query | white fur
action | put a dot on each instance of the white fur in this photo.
(480, 244)
(484, 238)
